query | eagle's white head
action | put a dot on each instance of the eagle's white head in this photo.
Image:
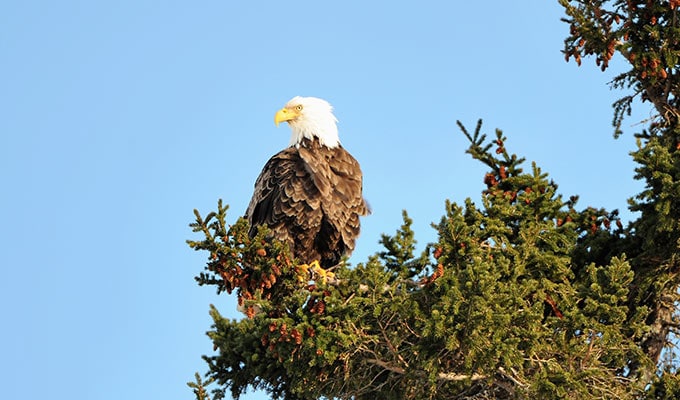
(309, 117)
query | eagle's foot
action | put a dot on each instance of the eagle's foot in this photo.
(314, 271)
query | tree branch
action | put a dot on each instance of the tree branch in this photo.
(445, 376)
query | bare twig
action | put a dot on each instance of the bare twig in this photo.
(445, 376)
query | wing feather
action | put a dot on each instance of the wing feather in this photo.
(284, 197)
(347, 202)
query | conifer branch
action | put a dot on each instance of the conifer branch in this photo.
(445, 376)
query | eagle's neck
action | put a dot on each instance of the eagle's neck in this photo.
(325, 129)
(313, 144)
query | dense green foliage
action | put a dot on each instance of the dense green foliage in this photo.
(645, 33)
(523, 295)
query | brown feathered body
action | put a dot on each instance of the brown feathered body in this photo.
(310, 196)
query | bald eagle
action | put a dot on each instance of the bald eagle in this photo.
(310, 194)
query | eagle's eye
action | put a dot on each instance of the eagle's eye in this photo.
(298, 107)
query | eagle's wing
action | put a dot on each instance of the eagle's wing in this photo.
(338, 177)
(348, 201)
(285, 197)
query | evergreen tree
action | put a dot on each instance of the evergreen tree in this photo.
(523, 295)
(647, 35)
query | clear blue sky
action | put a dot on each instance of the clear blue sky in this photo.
(117, 119)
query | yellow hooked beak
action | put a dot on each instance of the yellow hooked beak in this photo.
(285, 115)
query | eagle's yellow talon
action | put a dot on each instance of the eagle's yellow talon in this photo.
(320, 272)
(313, 270)
(303, 273)
(315, 266)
